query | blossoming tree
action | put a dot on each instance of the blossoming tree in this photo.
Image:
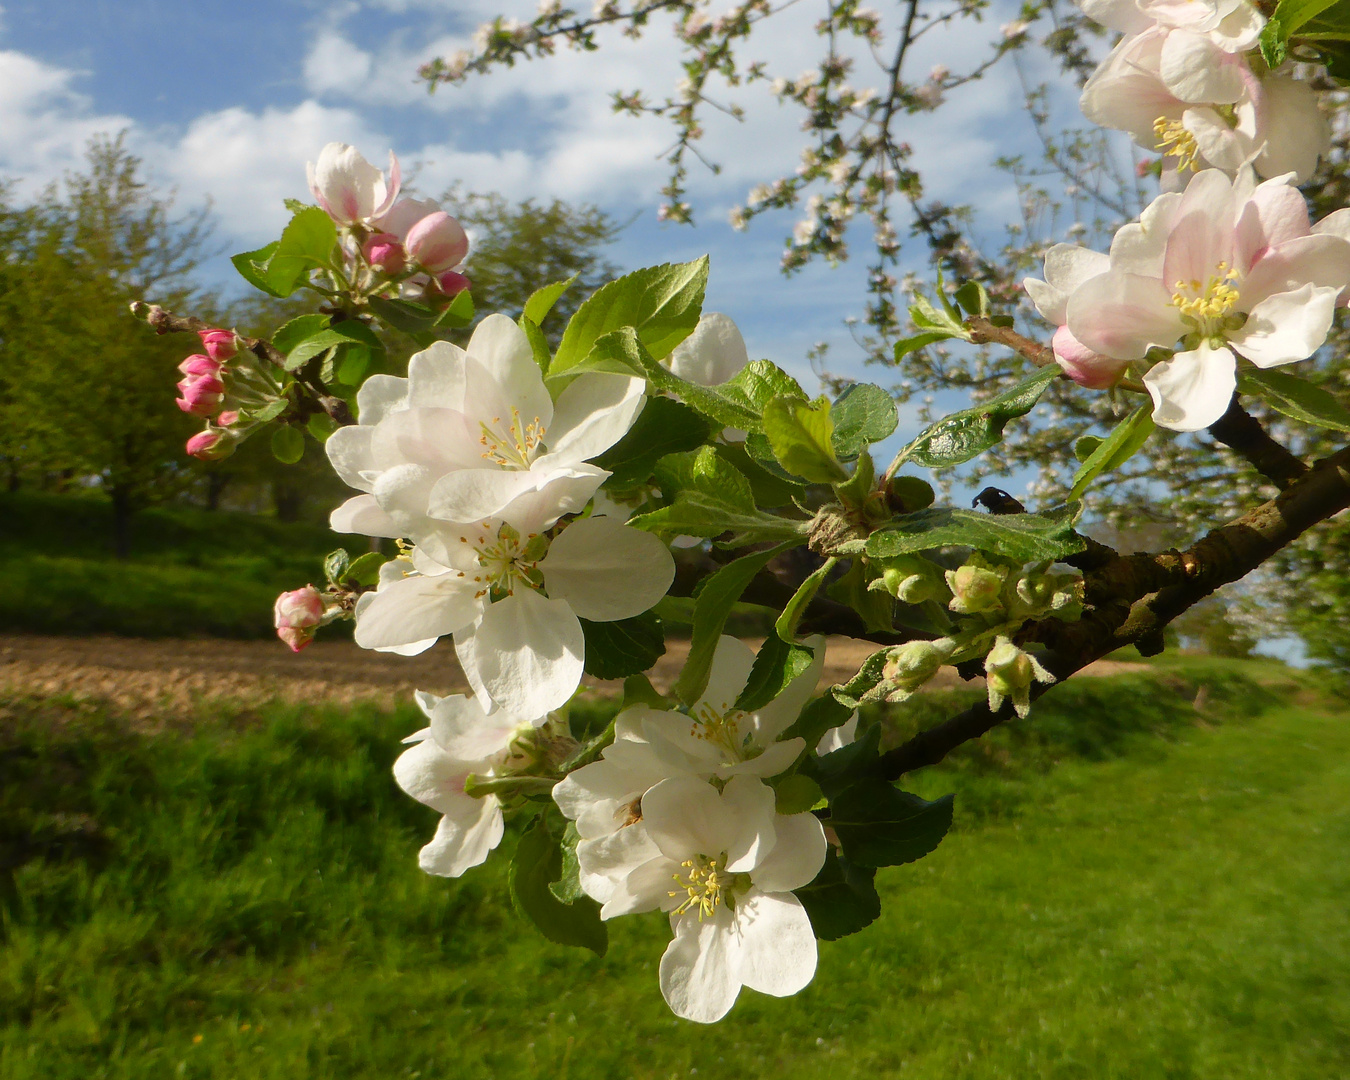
(535, 494)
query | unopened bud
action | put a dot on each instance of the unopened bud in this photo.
(912, 664)
(1049, 594)
(199, 364)
(450, 284)
(385, 253)
(975, 587)
(225, 419)
(913, 579)
(437, 242)
(211, 444)
(221, 345)
(909, 493)
(1009, 672)
(202, 395)
(296, 614)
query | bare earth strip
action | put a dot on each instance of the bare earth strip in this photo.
(176, 677)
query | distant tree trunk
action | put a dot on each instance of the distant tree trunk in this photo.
(216, 482)
(122, 511)
(287, 500)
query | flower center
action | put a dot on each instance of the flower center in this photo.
(1207, 303)
(722, 729)
(701, 884)
(1175, 141)
(512, 446)
(507, 560)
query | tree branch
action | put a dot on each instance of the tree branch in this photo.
(1238, 430)
(1132, 598)
(984, 332)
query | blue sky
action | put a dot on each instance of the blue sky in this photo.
(228, 100)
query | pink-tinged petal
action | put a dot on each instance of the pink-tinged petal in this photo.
(436, 378)
(461, 728)
(502, 348)
(1124, 315)
(404, 214)
(391, 188)
(1334, 224)
(1082, 365)
(362, 514)
(728, 674)
(1193, 389)
(1198, 246)
(1209, 192)
(700, 967)
(606, 570)
(1294, 130)
(1127, 92)
(415, 609)
(431, 776)
(1121, 15)
(380, 395)
(1323, 261)
(1287, 327)
(1197, 70)
(592, 414)
(350, 452)
(778, 946)
(1139, 247)
(463, 839)
(1067, 266)
(1049, 301)
(527, 652)
(1275, 214)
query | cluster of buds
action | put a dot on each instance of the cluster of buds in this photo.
(202, 388)
(411, 244)
(298, 614)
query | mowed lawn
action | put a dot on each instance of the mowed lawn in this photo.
(1171, 900)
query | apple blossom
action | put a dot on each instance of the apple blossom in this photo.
(1226, 264)
(436, 243)
(296, 614)
(198, 364)
(349, 188)
(384, 252)
(1235, 22)
(733, 863)
(201, 395)
(210, 445)
(1066, 267)
(221, 345)
(460, 741)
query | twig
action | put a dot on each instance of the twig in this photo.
(1239, 430)
(984, 332)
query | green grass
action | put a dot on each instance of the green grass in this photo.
(191, 571)
(1160, 899)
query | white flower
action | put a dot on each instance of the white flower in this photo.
(461, 740)
(1227, 263)
(471, 433)
(511, 591)
(724, 865)
(349, 187)
(1234, 21)
(712, 354)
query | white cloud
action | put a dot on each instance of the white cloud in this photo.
(335, 63)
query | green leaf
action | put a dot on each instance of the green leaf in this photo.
(921, 340)
(1022, 537)
(846, 766)
(842, 899)
(800, 434)
(306, 243)
(352, 364)
(264, 413)
(252, 267)
(1116, 449)
(623, 647)
(880, 825)
(538, 343)
(1288, 16)
(288, 444)
(961, 436)
(862, 414)
(876, 606)
(568, 886)
(796, 794)
(335, 565)
(720, 591)
(638, 690)
(365, 571)
(818, 717)
(786, 625)
(777, 663)
(347, 332)
(663, 427)
(973, 298)
(541, 301)
(768, 487)
(1296, 398)
(538, 863)
(1084, 447)
(853, 693)
(291, 334)
(319, 426)
(661, 304)
(457, 314)
(422, 323)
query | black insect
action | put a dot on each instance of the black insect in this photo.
(998, 501)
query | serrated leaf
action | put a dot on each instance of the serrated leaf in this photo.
(862, 414)
(537, 865)
(365, 571)
(820, 715)
(841, 900)
(1022, 537)
(720, 592)
(859, 688)
(624, 646)
(568, 886)
(1116, 449)
(288, 444)
(786, 625)
(663, 427)
(661, 304)
(538, 343)
(963, 435)
(796, 794)
(252, 267)
(347, 332)
(306, 243)
(777, 663)
(770, 486)
(880, 825)
(800, 434)
(541, 301)
(973, 298)
(264, 413)
(1086, 446)
(921, 340)
(844, 767)
(457, 314)
(1284, 22)
(1296, 398)
(290, 335)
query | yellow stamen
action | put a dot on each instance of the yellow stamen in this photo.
(514, 446)
(1209, 301)
(701, 885)
(1175, 141)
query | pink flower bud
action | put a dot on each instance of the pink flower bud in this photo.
(437, 242)
(225, 419)
(384, 252)
(220, 345)
(210, 445)
(197, 364)
(1082, 365)
(450, 283)
(202, 394)
(296, 614)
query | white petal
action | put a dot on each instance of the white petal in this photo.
(1123, 315)
(1193, 389)
(436, 377)
(1336, 223)
(1200, 241)
(464, 839)
(727, 675)
(440, 439)
(1295, 131)
(469, 495)
(776, 757)
(778, 946)
(645, 888)
(431, 776)
(1122, 15)
(607, 571)
(712, 354)
(464, 731)
(750, 802)
(502, 348)
(592, 414)
(527, 652)
(838, 737)
(1196, 70)
(1049, 301)
(1139, 248)
(607, 860)
(1306, 260)
(350, 453)
(699, 969)
(379, 395)
(564, 491)
(1067, 266)
(1219, 144)
(1287, 327)
(796, 858)
(414, 609)
(362, 514)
